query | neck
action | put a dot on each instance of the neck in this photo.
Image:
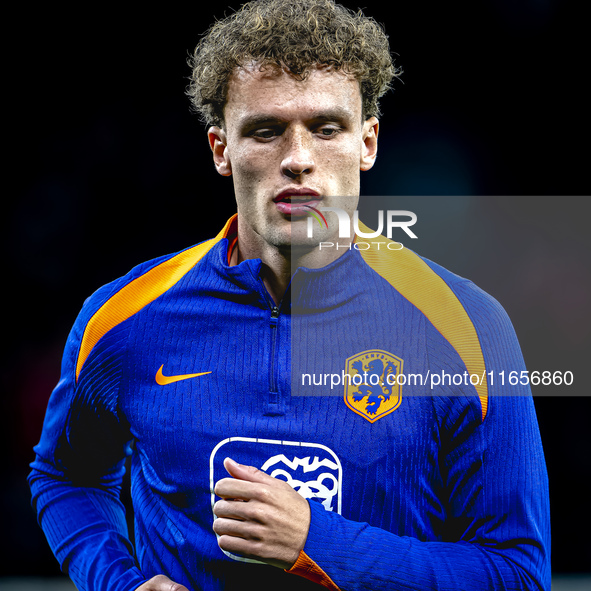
(280, 263)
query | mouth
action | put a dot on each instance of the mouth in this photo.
(297, 202)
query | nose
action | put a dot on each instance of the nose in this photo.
(298, 158)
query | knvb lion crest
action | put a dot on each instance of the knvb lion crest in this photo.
(372, 390)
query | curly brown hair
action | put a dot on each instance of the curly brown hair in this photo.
(295, 35)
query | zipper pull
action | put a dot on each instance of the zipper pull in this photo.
(274, 313)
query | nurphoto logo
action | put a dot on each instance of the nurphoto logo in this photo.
(395, 218)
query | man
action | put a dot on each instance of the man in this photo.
(200, 359)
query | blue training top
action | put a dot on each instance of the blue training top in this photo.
(378, 389)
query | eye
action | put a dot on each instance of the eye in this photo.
(328, 131)
(265, 133)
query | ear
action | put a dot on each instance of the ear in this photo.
(219, 147)
(369, 148)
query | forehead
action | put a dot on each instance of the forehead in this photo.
(275, 93)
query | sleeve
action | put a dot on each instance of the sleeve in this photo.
(77, 475)
(497, 527)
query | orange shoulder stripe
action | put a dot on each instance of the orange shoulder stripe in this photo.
(140, 292)
(421, 286)
(305, 567)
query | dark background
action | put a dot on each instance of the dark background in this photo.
(107, 168)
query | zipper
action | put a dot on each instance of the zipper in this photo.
(273, 362)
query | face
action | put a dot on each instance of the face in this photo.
(289, 144)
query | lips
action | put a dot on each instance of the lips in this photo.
(296, 201)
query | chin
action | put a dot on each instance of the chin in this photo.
(299, 235)
(285, 240)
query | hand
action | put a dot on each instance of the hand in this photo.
(259, 516)
(161, 583)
